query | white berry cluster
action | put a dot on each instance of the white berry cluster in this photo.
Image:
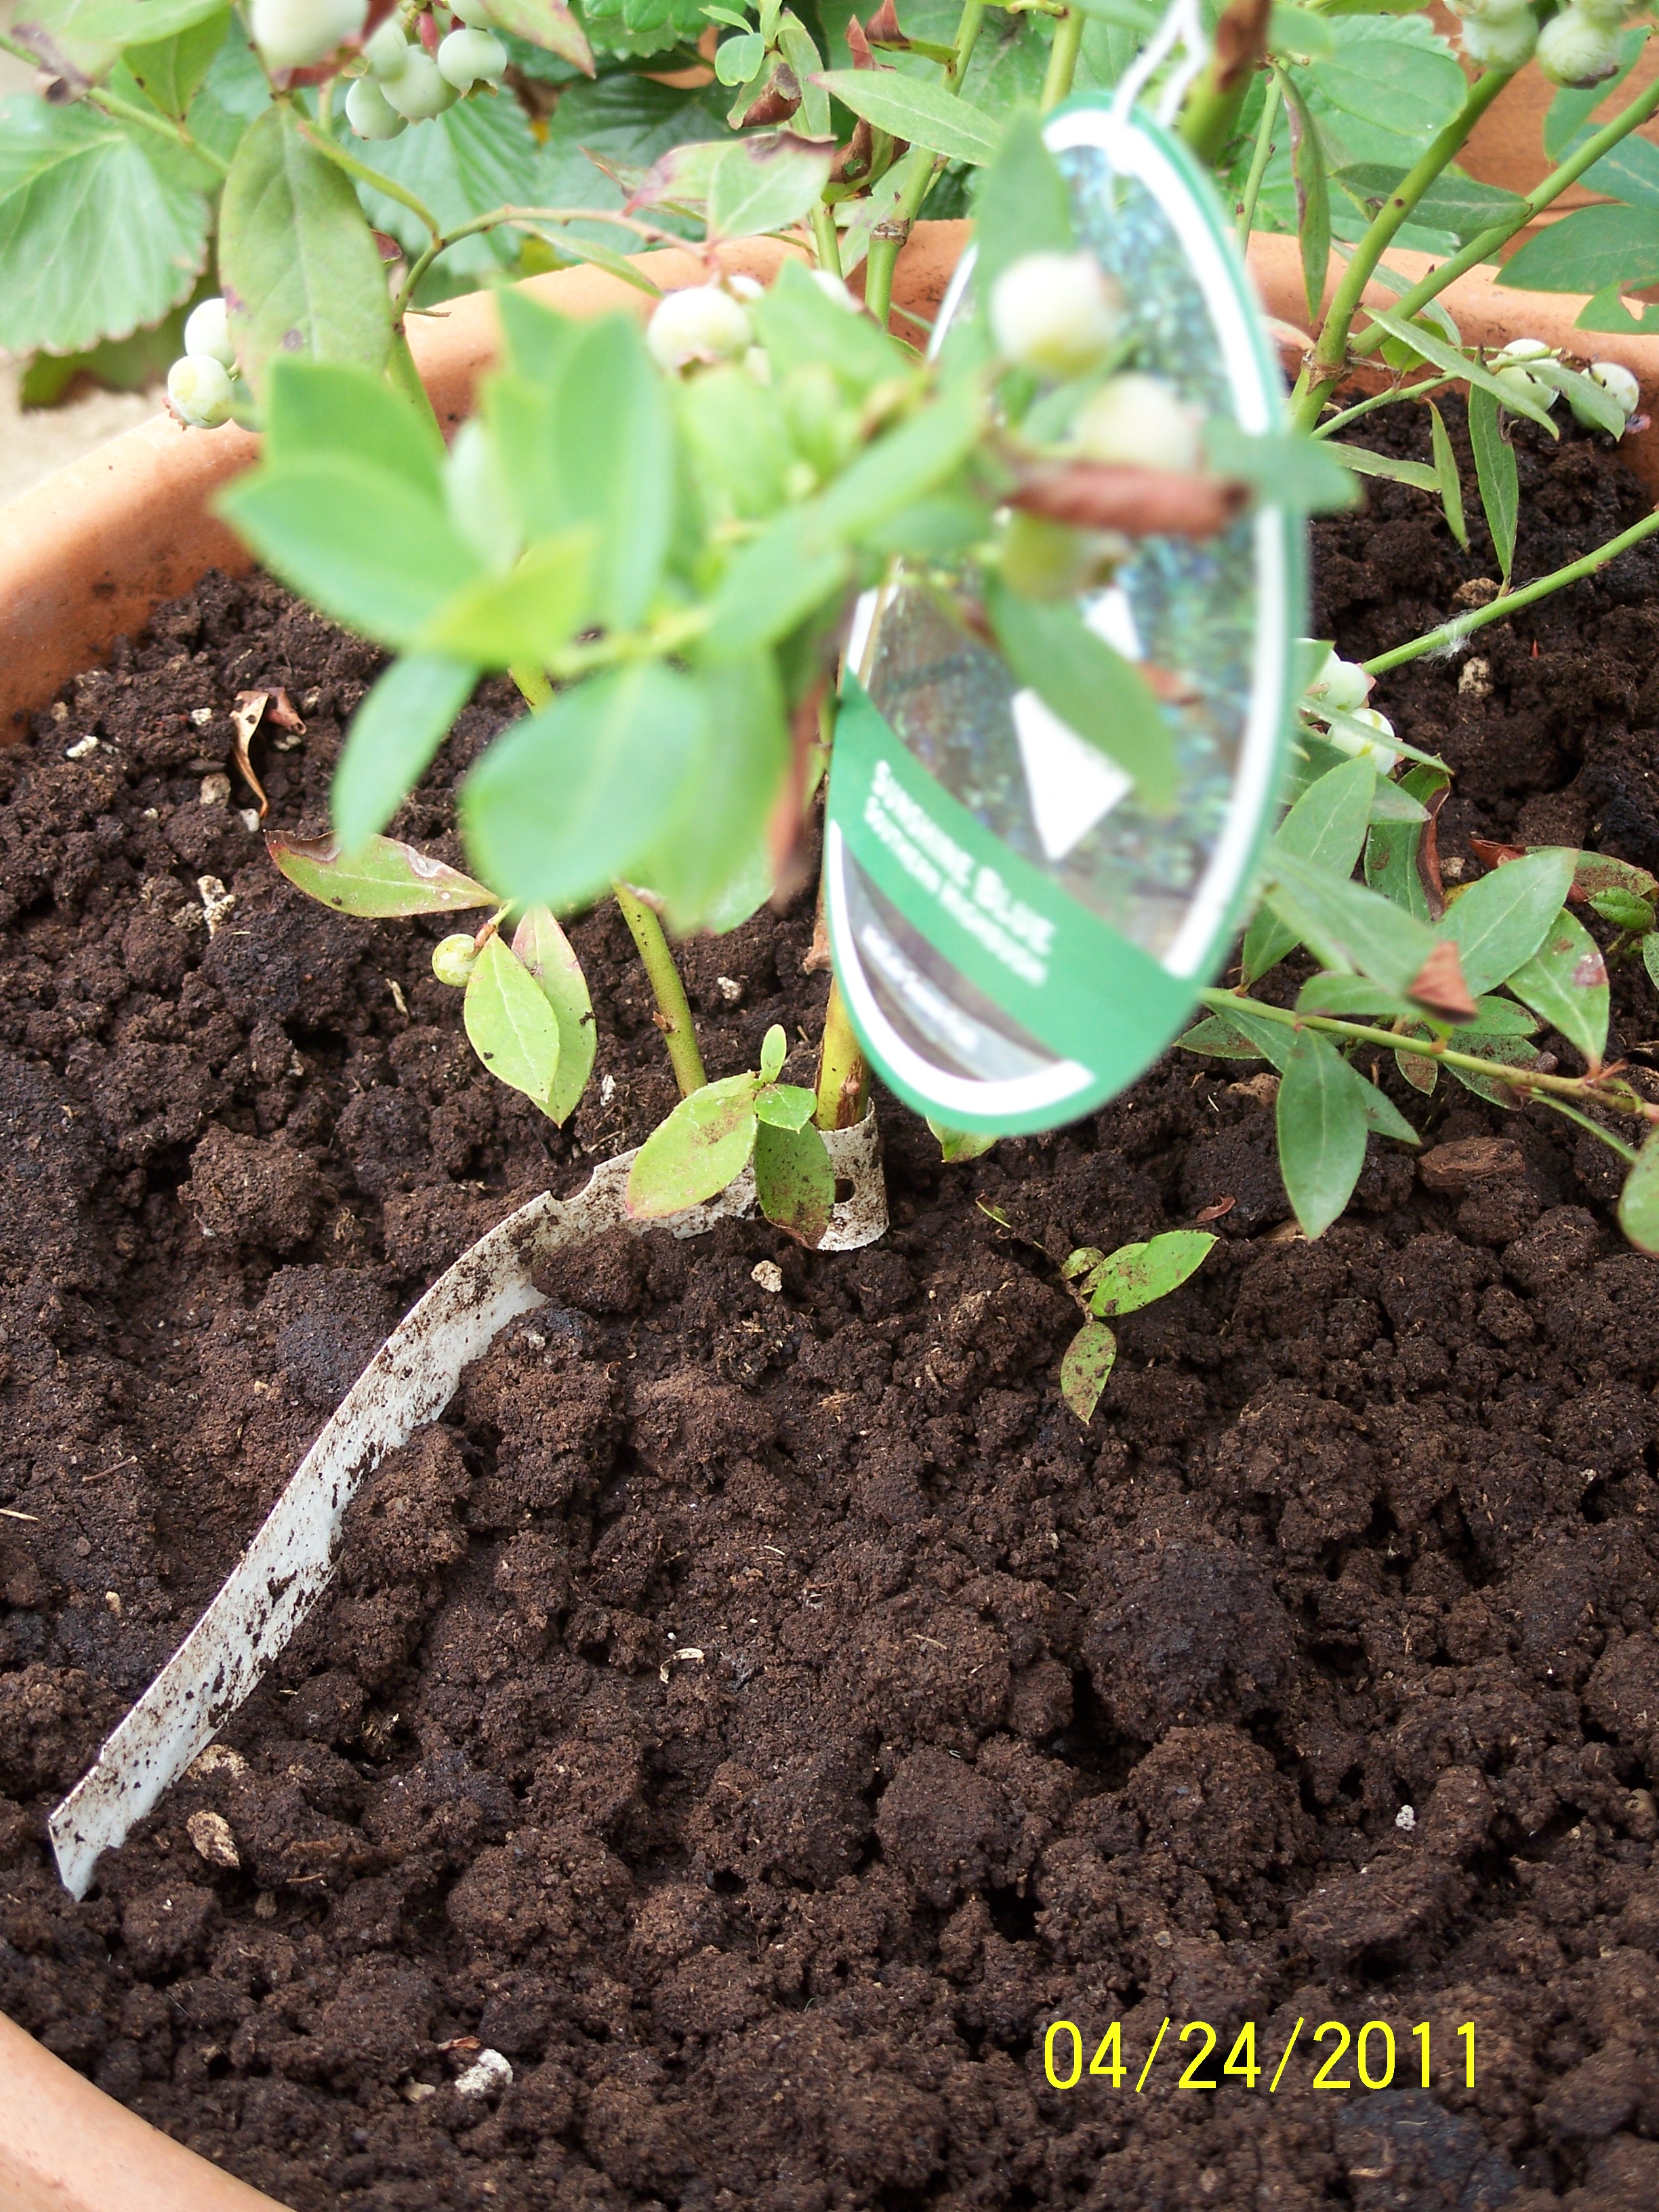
(1337, 695)
(1497, 34)
(405, 84)
(203, 383)
(1578, 46)
(1510, 367)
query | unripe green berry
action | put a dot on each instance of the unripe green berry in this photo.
(1616, 381)
(200, 390)
(1515, 379)
(702, 323)
(388, 52)
(1501, 41)
(1383, 756)
(1574, 50)
(453, 959)
(1138, 421)
(468, 58)
(294, 33)
(206, 334)
(420, 90)
(369, 112)
(1054, 312)
(1341, 685)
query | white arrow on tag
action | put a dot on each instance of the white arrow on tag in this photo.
(1072, 785)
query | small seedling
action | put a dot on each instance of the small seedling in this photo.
(1116, 1283)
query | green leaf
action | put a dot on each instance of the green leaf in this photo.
(623, 123)
(1566, 981)
(903, 465)
(510, 1023)
(548, 24)
(595, 447)
(774, 1050)
(1346, 926)
(1498, 1045)
(1094, 690)
(96, 239)
(957, 1145)
(1453, 203)
(367, 547)
(1321, 1132)
(1365, 463)
(765, 183)
(1639, 1201)
(1502, 920)
(1650, 958)
(1021, 205)
(1588, 250)
(570, 797)
(794, 1180)
(112, 23)
(1389, 88)
(798, 327)
(1327, 826)
(392, 741)
(1623, 911)
(1313, 198)
(917, 109)
(1600, 872)
(1287, 468)
(1299, 31)
(1451, 358)
(525, 616)
(1217, 1040)
(297, 258)
(1394, 848)
(1629, 171)
(784, 1105)
(731, 786)
(736, 60)
(1136, 1275)
(1353, 999)
(1267, 1039)
(1592, 405)
(169, 70)
(1496, 473)
(1086, 1367)
(382, 879)
(774, 584)
(548, 955)
(477, 154)
(318, 408)
(1451, 484)
(703, 1145)
(800, 52)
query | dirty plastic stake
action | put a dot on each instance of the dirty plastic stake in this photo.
(408, 1382)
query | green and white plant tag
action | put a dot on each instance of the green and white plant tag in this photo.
(1018, 934)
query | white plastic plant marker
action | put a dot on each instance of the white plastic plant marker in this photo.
(1018, 934)
(409, 1381)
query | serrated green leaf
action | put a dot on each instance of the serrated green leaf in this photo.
(380, 879)
(794, 1180)
(1084, 1370)
(1320, 1121)
(392, 738)
(1094, 690)
(1566, 981)
(916, 109)
(1639, 1201)
(301, 270)
(478, 154)
(1136, 1275)
(1389, 88)
(96, 239)
(1496, 475)
(570, 797)
(702, 1145)
(510, 1023)
(1502, 920)
(550, 959)
(1326, 826)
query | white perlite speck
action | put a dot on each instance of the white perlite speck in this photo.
(487, 2076)
(767, 1274)
(1405, 1818)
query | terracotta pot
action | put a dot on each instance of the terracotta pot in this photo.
(88, 555)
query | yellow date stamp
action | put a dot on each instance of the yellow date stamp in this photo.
(1372, 2052)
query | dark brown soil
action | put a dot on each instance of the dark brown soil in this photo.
(758, 1714)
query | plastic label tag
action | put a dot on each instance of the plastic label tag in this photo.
(1016, 935)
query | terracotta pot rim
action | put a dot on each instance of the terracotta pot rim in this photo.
(90, 554)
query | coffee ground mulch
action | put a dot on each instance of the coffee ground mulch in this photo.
(757, 1712)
